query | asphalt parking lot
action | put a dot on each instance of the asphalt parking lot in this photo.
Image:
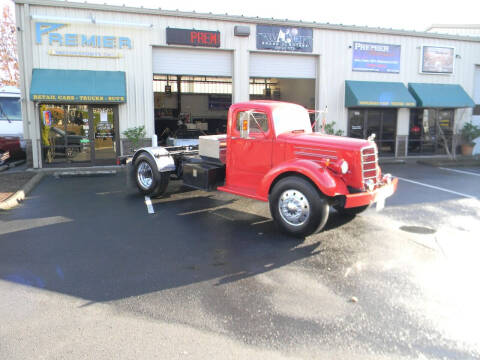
(88, 269)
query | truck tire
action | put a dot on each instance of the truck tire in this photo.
(149, 180)
(351, 211)
(297, 207)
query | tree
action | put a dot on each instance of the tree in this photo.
(9, 69)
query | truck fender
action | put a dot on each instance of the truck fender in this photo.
(160, 155)
(329, 184)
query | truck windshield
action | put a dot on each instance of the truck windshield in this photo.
(291, 118)
(10, 109)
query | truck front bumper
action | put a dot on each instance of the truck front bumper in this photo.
(369, 197)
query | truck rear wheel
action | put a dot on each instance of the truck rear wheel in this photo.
(297, 207)
(149, 180)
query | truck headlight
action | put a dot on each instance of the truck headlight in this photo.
(344, 167)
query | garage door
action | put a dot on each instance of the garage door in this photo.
(283, 66)
(170, 61)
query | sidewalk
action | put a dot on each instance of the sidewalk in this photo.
(15, 186)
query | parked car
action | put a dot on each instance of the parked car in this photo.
(66, 143)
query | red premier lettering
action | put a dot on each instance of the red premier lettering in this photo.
(203, 38)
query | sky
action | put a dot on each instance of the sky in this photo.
(415, 15)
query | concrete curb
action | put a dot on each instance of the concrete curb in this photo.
(11, 165)
(73, 173)
(391, 162)
(20, 195)
(451, 163)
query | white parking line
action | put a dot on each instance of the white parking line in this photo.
(438, 188)
(461, 171)
(148, 202)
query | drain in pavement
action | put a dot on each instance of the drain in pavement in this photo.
(418, 229)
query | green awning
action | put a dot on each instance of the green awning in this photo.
(80, 86)
(440, 95)
(377, 93)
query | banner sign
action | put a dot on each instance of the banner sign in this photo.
(193, 37)
(376, 57)
(284, 38)
(437, 60)
(82, 98)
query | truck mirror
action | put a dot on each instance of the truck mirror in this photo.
(245, 126)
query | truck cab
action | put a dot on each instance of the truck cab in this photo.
(270, 153)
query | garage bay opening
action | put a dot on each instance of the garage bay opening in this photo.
(189, 106)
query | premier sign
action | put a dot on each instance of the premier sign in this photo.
(193, 37)
(43, 29)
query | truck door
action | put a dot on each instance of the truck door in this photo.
(249, 158)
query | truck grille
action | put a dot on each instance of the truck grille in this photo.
(369, 163)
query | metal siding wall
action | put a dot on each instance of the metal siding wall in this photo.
(337, 65)
(332, 45)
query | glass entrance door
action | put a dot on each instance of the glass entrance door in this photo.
(430, 131)
(103, 121)
(381, 122)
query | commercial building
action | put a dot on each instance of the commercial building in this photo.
(90, 72)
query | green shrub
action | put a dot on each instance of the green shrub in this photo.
(330, 129)
(470, 132)
(134, 135)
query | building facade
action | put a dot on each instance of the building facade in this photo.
(90, 72)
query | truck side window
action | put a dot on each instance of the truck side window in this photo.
(256, 119)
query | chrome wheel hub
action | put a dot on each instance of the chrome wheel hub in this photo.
(145, 175)
(294, 207)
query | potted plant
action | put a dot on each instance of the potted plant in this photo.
(134, 136)
(469, 133)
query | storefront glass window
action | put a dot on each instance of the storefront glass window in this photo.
(430, 131)
(77, 134)
(382, 122)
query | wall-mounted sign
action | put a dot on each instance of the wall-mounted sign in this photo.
(82, 98)
(284, 38)
(48, 31)
(437, 60)
(193, 37)
(219, 102)
(376, 57)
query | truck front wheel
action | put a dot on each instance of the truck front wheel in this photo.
(297, 207)
(149, 180)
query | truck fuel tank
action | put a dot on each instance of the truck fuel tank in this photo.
(201, 174)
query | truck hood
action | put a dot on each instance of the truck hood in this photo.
(319, 140)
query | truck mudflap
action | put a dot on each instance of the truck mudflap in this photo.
(368, 197)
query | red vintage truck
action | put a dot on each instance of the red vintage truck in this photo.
(270, 153)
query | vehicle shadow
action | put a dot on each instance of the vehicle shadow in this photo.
(114, 249)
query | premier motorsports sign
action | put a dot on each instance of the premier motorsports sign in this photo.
(374, 57)
(65, 43)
